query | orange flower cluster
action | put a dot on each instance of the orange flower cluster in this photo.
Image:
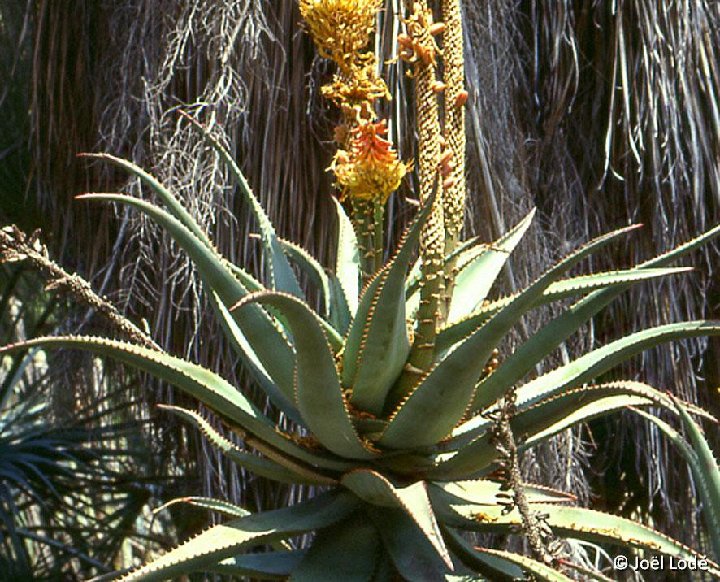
(370, 169)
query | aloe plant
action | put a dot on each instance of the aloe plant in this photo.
(400, 474)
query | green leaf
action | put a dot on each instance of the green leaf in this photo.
(409, 549)
(281, 274)
(169, 199)
(226, 540)
(547, 339)
(375, 489)
(574, 286)
(253, 463)
(313, 269)
(283, 398)
(445, 394)
(267, 566)
(489, 492)
(538, 420)
(589, 366)
(318, 392)
(340, 316)
(707, 476)
(377, 344)
(347, 266)
(478, 268)
(500, 565)
(495, 568)
(196, 381)
(266, 340)
(574, 522)
(344, 552)
(209, 503)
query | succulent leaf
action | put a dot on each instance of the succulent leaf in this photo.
(479, 267)
(707, 476)
(600, 360)
(196, 381)
(457, 374)
(282, 276)
(267, 566)
(226, 540)
(409, 548)
(347, 266)
(377, 344)
(283, 398)
(375, 489)
(253, 463)
(329, 559)
(209, 503)
(576, 522)
(500, 565)
(263, 336)
(318, 392)
(313, 269)
(547, 339)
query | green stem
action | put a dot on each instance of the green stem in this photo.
(379, 235)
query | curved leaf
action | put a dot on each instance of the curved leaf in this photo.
(707, 475)
(413, 499)
(267, 566)
(313, 269)
(267, 342)
(282, 276)
(226, 540)
(196, 381)
(253, 463)
(478, 268)
(587, 367)
(449, 388)
(347, 265)
(377, 344)
(318, 392)
(575, 522)
(344, 552)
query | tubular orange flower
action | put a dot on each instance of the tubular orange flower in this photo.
(370, 169)
(340, 28)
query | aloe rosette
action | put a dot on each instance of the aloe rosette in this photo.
(400, 473)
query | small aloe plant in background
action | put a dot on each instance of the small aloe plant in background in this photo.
(403, 418)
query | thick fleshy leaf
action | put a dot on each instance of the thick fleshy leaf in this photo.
(313, 269)
(171, 201)
(539, 420)
(267, 566)
(500, 565)
(196, 381)
(267, 342)
(347, 265)
(489, 492)
(282, 398)
(318, 393)
(574, 522)
(562, 290)
(444, 395)
(209, 503)
(555, 332)
(707, 476)
(344, 552)
(408, 547)
(478, 268)
(377, 344)
(496, 569)
(253, 463)
(282, 276)
(340, 316)
(587, 367)
(375, 489)
(226, 540)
